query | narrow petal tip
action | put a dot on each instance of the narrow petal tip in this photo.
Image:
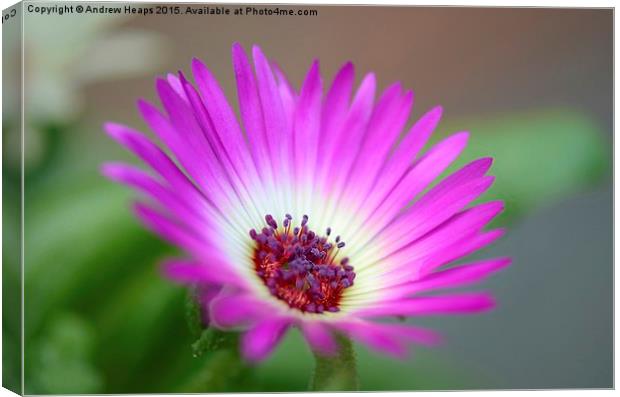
(487, 181)
(111, 128)
(257, 52)
(462, 135)
(199, 67)
(237, 50)
(177, 272)
(111, 171)
(348, 66)
(480, 303)
(161, 84)
(503, 262)
(485, 162)
(409, 96)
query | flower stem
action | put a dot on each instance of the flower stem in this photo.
(337, 372)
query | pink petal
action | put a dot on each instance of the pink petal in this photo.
(234, 310)
(278, 137)
(411, 333)
(387, 121)
(430, 212)
(186, 153)
(403, 332)
(458, 250)
(251, 111)
(176, 85)
(259, 342)
(319, 337)
(373, 337)
(183, 120)
(307, 123)
(171, 231)
(179, 205)
(432, 305)
(336, 105)
(451, 240)
(408, 150)
(212, 272)
(228, 135)
(451, 278)
(388, 201)
(287, 94)
(229, 171)
(335, 166)
(152, 155)
(465, 174)
(462, 274)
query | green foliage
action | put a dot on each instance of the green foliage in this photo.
(62, 358)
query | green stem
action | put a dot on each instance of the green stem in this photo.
(337, 372)
(223, 368)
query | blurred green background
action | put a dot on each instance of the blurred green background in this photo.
(534, 87)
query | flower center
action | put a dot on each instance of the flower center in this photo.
(300, 267)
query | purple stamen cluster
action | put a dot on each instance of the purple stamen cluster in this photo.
(299, 267)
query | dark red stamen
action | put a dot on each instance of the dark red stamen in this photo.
(299, 267)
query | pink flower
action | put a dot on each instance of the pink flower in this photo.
(298, 213)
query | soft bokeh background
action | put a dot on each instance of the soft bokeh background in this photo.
(534, 86)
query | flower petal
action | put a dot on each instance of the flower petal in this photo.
(232, 309)
(414, 141)
(251, 113)
(432, 211)
(451, 278)
(229, 137)
(152, 155)
(350, 136)
(386, 201)
(449, 241)
(258, 342)
(319, 337)
(176, 204)
(432, 305)
(373, 337)
(170, 230)
(460, 275)
(278, 138)
(335, 106)
(387, 121)
(287, 94)
(190, 272)
(306, 127)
